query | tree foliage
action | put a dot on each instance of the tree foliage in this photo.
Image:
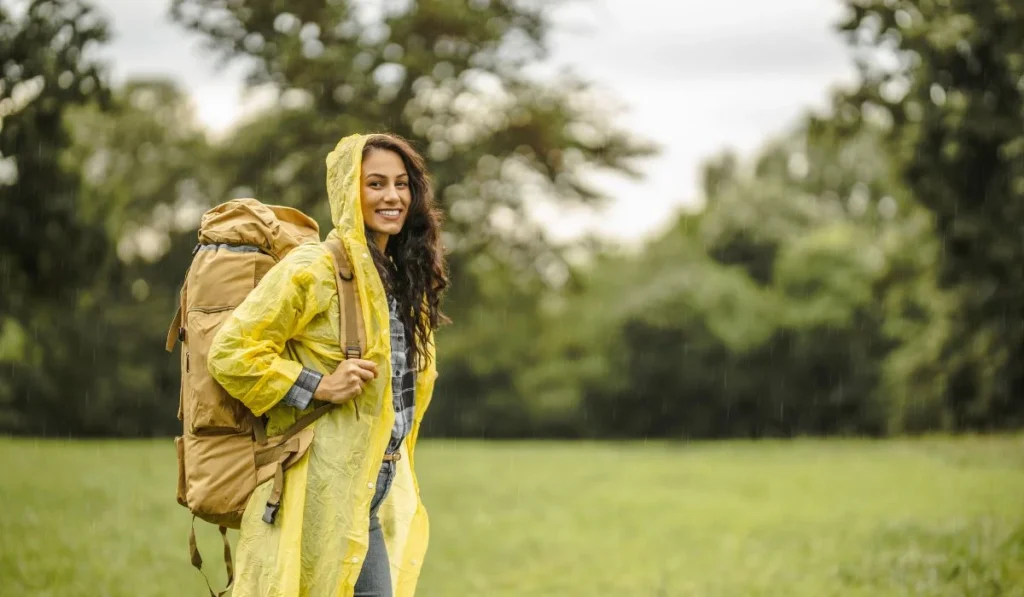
(52, 256)
(953, 99)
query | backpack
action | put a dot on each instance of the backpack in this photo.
(223, 452)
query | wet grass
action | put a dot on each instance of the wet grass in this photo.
(930, 517)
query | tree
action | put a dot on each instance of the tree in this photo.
(51, 254)
(952, 98)
(147, 179)
(801, 299)
(125, 180)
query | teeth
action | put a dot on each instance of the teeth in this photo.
(388, 212)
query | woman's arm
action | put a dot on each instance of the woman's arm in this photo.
(245, 354)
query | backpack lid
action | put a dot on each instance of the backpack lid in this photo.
(273, 228)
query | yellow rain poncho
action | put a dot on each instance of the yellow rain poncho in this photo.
(317, 545)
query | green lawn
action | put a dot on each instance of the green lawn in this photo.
(804, 518)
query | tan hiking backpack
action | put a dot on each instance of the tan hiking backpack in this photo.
(224, 452)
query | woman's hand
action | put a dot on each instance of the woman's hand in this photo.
(346, 382)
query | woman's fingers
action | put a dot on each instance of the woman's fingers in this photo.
(365, 365)
(363, 375)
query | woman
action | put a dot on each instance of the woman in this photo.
(351, 521)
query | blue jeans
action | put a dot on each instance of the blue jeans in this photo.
(375, 577)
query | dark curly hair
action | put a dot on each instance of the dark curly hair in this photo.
(412, 267)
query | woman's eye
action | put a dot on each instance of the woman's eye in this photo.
(402, 185)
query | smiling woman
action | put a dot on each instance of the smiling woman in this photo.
(349, 521)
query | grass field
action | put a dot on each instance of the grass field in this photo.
(933, 517)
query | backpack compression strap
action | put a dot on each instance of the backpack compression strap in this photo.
(176, 332)
(197, 560)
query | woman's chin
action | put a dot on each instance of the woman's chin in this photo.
(388, 228)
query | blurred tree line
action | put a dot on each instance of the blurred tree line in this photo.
(860, 275)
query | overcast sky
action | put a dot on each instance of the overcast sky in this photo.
(695, 77)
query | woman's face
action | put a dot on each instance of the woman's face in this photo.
(385, 194)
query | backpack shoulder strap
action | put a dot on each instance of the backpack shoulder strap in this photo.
(347, 304)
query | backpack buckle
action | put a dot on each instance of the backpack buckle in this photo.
(352, 351)
(270, 513)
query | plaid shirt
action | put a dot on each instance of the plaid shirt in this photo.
(403, 384)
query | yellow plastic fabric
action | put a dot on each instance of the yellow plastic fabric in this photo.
(317, 545)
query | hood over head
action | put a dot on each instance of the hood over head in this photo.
(344, 166)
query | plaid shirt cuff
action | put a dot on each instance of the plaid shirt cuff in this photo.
(301, 392)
